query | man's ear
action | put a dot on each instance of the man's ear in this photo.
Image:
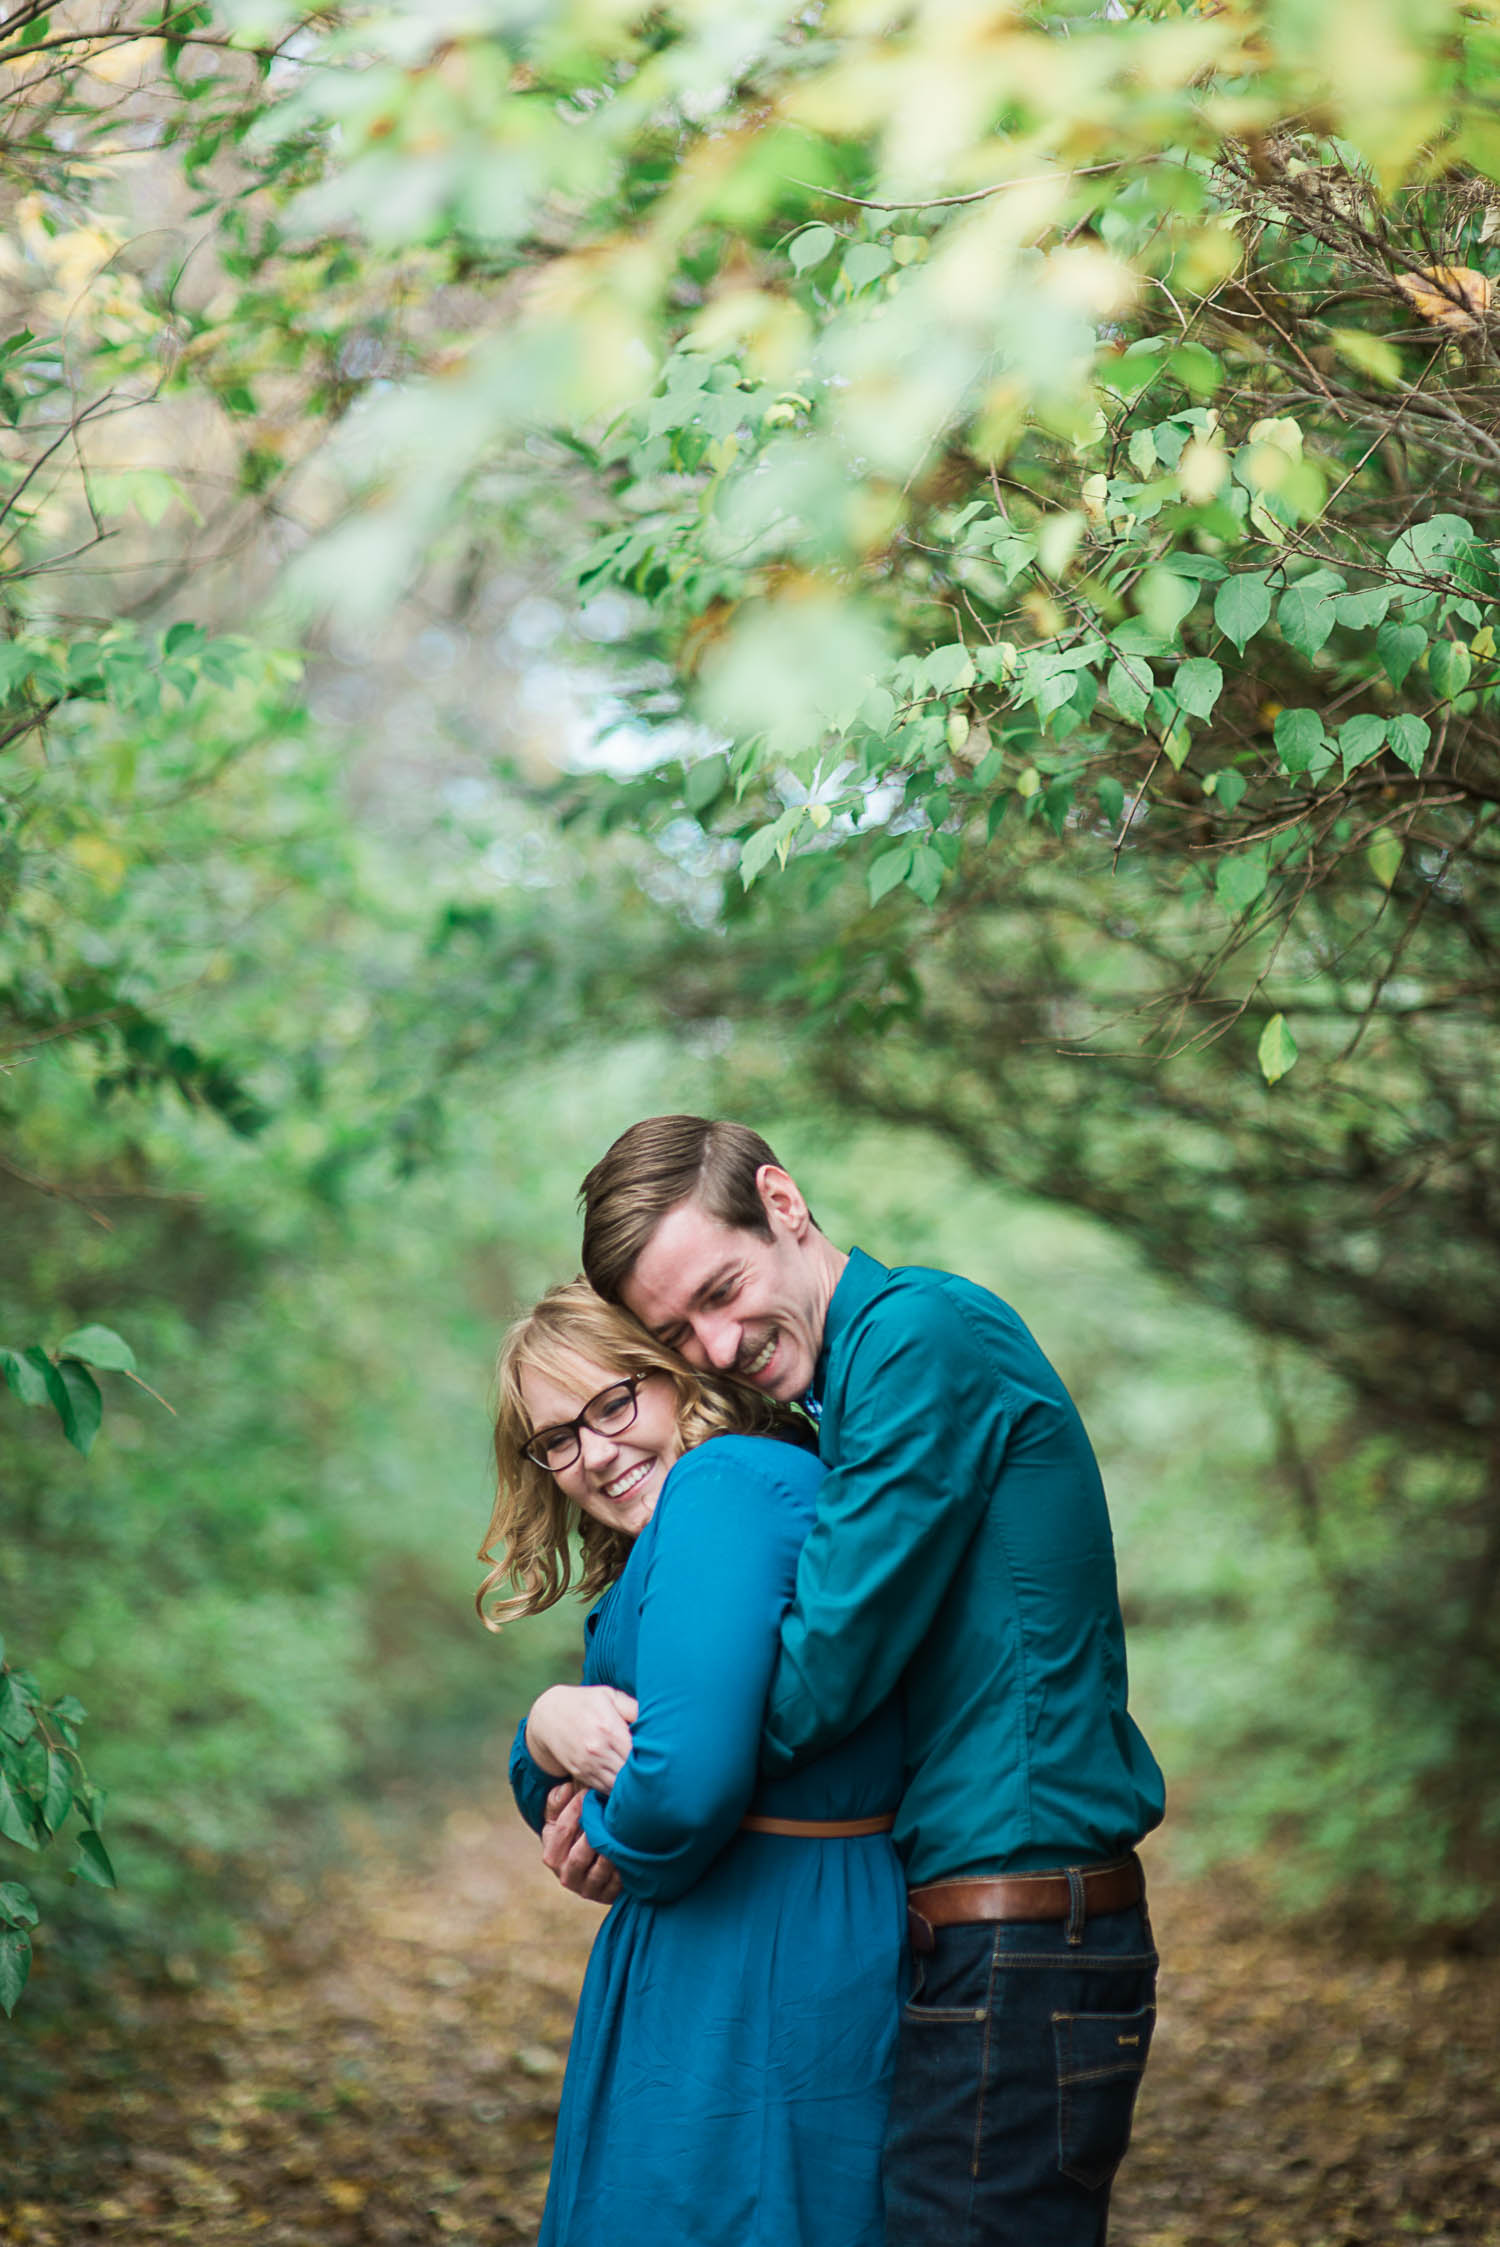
(783, 1203)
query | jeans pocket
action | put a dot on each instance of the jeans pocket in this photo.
(1101, 2058)
(947, 1990)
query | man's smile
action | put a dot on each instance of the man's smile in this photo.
(763, 1356)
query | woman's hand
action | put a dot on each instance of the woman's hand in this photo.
(581, 1732)
(567, 1851)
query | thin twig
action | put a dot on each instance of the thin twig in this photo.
(951, 202)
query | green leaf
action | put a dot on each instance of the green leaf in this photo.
(767, 843)
(1409, 738)
(1299, 737)
(1398, 647)
(54, 1387)
(1241, 606)
(1358, 611)
(878, 710)
(92, 1862)
(1277, 1049)
(890, 868)
(15, 1819)
(1359, 740)
(1242, 878)
(704, 784)
(865, 263)
(1229, 787)
(101, 1346)
(57, 1798)
(85, 1407)
(1129, 687)
(1012, 554)
(1164, 600)
(1142, 451)
(1370, 354)
(925, 874)
(1426, 548)
(810, 247)
(15, 1965)
(17, 1708)
(1196, 369)
(1305, 612)
(1448, 666)
(1111, 798)
(948, 668)
(24, 1375)
(16, 1906)
(1198, 685)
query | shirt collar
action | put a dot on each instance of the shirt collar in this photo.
(859, 1283)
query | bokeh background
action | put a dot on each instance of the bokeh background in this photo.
(929, 585)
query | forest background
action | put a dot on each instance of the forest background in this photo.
(925, 577)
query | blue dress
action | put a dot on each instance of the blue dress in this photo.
(731, 2058)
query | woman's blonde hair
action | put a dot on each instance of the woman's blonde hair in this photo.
(529, 1540)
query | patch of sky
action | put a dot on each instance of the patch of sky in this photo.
(433, 652)
(534, 623)
(609, 616)
(467, 794)
(519, 861)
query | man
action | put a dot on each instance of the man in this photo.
(962, 1553)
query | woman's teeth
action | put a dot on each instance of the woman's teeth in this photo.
(623, 1485)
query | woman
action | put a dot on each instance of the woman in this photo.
(729, 2071)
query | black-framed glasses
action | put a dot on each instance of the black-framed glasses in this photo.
(610, 1413)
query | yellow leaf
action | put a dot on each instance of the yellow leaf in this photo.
(1384, 855)
(1449, 296)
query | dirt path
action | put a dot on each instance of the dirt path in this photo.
(383, 2064)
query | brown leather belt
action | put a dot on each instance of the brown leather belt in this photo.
(1008, 1896)
(820, 1829)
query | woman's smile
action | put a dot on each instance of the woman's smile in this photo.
(623, 1485)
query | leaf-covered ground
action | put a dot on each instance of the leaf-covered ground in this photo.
(382, 2065)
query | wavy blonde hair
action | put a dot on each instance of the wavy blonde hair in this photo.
(533, 1526)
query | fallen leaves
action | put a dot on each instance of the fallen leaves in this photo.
(384, 2073)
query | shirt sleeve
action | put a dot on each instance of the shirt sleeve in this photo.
(529, 1783)
(921, 1445)
(718, 1580)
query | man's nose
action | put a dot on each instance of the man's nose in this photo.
(719, 1340)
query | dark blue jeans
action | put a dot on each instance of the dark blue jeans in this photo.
(1016, 2073)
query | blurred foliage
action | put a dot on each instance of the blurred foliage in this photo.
(1020, 484)
(1042, 457)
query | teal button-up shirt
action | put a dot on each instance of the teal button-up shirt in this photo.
(962, 1550)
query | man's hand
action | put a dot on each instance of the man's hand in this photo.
(582, 1731)
(567, 1852)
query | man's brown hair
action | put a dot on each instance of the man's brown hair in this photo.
(657, 1163)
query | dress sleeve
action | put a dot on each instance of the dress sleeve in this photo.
(921, 1446)
(719, 1577)
(529, 1783)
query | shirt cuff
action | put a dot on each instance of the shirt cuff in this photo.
(529, 1783)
